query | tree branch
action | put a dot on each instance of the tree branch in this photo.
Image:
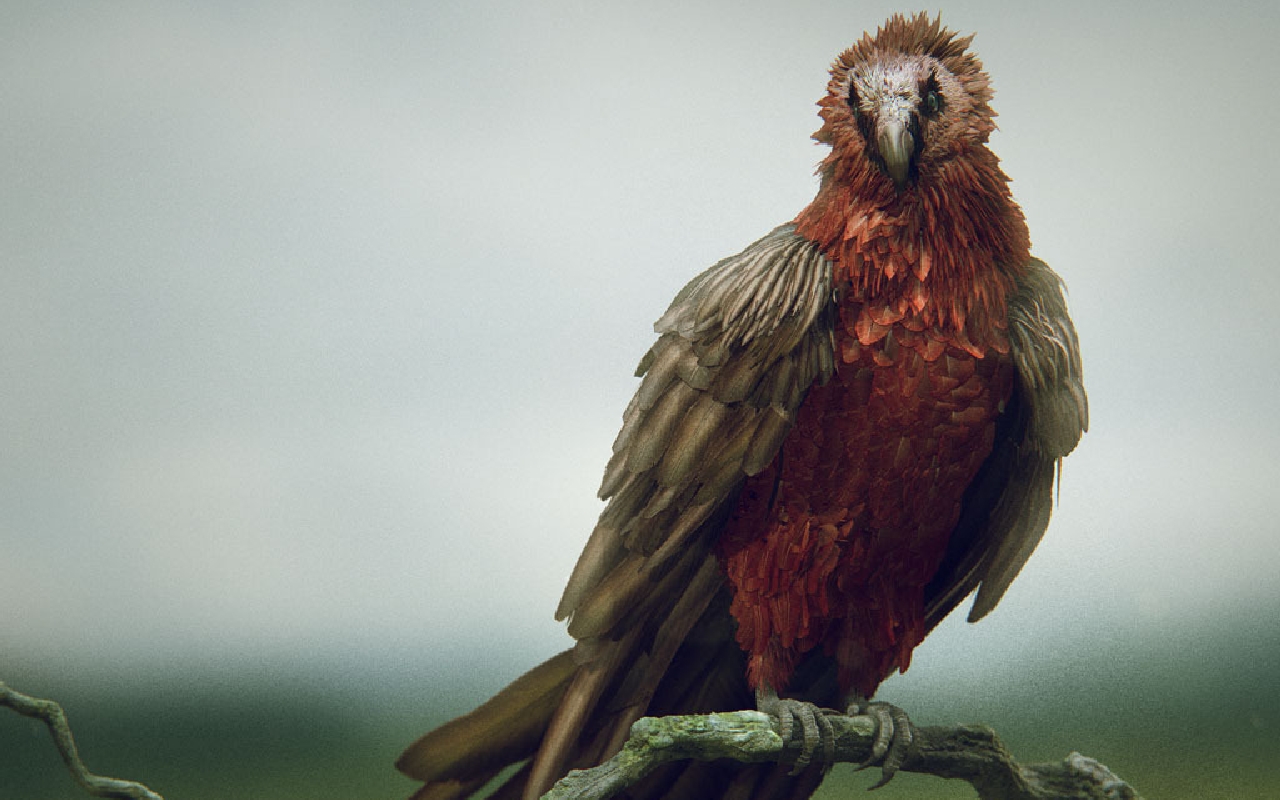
(55, 719)
(970, 753)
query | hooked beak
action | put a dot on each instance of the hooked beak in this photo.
(896, 145)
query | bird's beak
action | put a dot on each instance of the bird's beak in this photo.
(896, 145)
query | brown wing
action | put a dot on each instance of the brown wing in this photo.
(1007, 508)
(740, 346)
(738, 349)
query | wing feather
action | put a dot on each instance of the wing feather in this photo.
(737, 350)
(700, 426)
(1007, 508)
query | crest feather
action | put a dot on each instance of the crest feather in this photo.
(914, 36)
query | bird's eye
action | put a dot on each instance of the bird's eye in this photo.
(854, 100)
(932, 103)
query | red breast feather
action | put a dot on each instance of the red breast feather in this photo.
(833, 546)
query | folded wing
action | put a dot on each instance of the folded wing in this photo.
(737, 351)
(1007, 507)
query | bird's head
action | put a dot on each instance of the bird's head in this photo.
(903, 102)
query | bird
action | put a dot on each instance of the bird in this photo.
(840, 434)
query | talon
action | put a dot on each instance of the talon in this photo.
(884, 733)
(786, 720)
(809, 729)
(828, 739)
(894, 735)
(816, 728)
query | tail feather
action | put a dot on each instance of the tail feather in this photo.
(507, 728)
(688, 611)
(513, 787)
(587, 729)
(564, 729)
(572, 709)
(453, 789)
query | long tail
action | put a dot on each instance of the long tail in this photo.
(574, 710)
(461, 756)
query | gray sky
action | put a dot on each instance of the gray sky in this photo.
(316, 323)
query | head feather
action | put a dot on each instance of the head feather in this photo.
(917, 36)
(947, 243)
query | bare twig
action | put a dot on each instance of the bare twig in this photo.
(55, 719)
(973, 754)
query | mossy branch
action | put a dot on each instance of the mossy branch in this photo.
(55, 719)
(970, 753)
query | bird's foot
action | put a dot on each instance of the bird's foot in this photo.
(894, 734)
(814, 725)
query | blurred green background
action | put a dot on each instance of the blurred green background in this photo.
(1191, 712)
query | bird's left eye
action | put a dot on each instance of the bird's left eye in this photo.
(932, 102)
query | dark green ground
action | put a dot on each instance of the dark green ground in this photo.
(1191, 714)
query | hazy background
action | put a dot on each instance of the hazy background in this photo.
(317, 322)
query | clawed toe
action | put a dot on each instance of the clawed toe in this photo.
(815, 727)
(893, 731)
(894, 735)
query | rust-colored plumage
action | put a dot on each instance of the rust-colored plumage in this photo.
(841, 433)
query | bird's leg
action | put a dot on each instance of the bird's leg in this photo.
(894, 734)
(813, 722)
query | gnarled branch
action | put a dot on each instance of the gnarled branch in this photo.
(55, 719)
(970, 753)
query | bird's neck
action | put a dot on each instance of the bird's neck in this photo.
(943, 252)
